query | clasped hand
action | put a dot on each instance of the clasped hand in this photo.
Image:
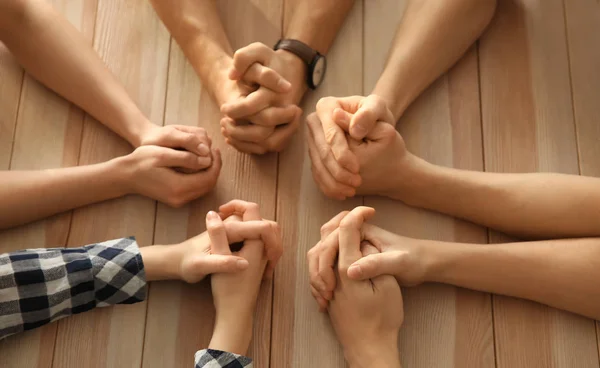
(259, 101)
(354, 147)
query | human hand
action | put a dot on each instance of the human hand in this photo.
(235, 295)
(270, 233)
(149, 171)
(345, 164)
(409, 260)
(374, 305)
(265, 119)
(182, 137)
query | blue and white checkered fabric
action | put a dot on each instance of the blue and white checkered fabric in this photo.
(39, 286)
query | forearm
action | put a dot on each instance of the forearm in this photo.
(561, 273)
(32, 195)
(198, 30)
(534, 205)
(57, 55)
(233, 331)
(432, 36)
(325, 18)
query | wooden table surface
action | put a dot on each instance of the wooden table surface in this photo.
(525, 98)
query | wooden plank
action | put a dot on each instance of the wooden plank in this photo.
(583, 21)
(48, 134)
(528, 126)
(444, 325)
(134, 44)
(303, 337)
(180, 316)
(11, 82)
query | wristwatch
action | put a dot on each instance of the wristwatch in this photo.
(316, 64)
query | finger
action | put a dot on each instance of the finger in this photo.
(246, 147)
(312, 258)
(273, 116)
(374, 265)
(320, 301)
(331, 225)
(198, 132)
(325, 151)
(350, 236)
(265, 230)
(244, 57)
(191, 142)
(217, 234)
(235, 207)
(372, 109)
(335, 137)
(366, 248)
(245, 132)
(218, 263)
(266, 77)
(249, 105)
(198, 184)
(277, 141)
(328, 185)
(329, 253)
(168, 157)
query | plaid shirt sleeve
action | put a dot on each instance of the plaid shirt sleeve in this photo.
(39, 286)
(209, 358)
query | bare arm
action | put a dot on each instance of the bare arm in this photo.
(57, 55)
(32, 195)
(432, 36)
(566, 271)
(535, 205)
(197, 28)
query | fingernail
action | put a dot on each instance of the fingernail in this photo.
(358, 131)
(212, 215)
(283, 84)
(242, 264)
(355, 271)
(203, 149)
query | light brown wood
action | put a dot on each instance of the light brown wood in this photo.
(48, 133)
(444, 326)
(181, 317)
(528, 126)
(583, 21)
(135, 46)
(11, 81)
(303, 337)
(535, 76)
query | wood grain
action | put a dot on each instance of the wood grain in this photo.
(11, 82)
(583, 21)
(181, 317)
(48, 134)
(134, 44)
(528, 126)
(303, 337)
(444, 326)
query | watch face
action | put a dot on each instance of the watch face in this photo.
(319, 70)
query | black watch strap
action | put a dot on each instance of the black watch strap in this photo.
(299, 48)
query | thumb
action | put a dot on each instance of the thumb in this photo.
(361, 124)
(218, 263)
(371, 266)
(342, 118)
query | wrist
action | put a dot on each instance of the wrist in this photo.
(161, 262)
(376, 353)
(411, 175)
(297, 72)
(233, 330)
(117, 172)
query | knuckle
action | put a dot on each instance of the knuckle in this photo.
(330, 134)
